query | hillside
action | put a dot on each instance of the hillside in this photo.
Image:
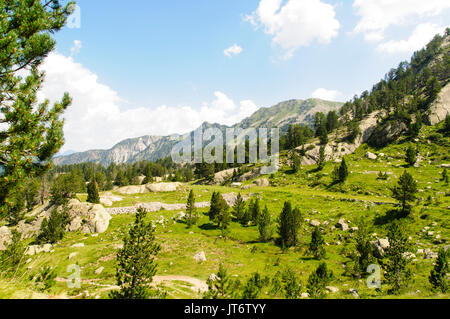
(156, 147)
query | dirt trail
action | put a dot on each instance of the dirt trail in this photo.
(197, 284)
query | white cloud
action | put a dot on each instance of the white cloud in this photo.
(419, 38)
(233, 50)
(376, 16)
(97, 119)
(328, 95)
(77, 45)
(297, 23)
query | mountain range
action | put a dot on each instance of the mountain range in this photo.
(156, 147)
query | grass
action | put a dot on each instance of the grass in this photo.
(363, 196)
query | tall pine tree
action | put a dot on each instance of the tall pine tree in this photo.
(32, 133)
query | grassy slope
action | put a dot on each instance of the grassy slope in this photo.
(243, 255)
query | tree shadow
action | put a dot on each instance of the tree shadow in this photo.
(390, 216)
(208, 226)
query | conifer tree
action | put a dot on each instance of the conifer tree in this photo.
(364, 249)
(396, 269)
(214, 208)
(291, 284)
(253, 287)
(13, 257)
(445, 176)
(316, 245)
(343, 171)
(92, 190)
(191, 211)
(321, 158)
(296, 162)
(53, 228)
(289, 224)
(222, 286)
(264, 225)
(411, 155)
(136, 263)
(239, 208)
(318, 280)
(255, 210)
(32, 133)
(439, 275)
(405, 191)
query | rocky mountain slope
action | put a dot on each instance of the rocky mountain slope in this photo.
(156, 147)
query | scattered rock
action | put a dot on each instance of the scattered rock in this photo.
(332, 289)
(429, 254)
(342, 225)
(315, 223)
(371, 156)
(78, 245)
(99, 271)
(380, 246)
(72, 255)
(263, 182)
(200, 257)
(5, 237)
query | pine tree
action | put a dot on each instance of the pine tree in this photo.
(214, 206)
(405, 191)
(318, 280)
(321, 158)
(411, 155)
(253, 287)
(296, 162)
(136, 263)
(343, 171)
(291, 284)
(364, 249)
(316, 245)
(396, 269)
(33, 132)
(222, 286)
(289, 224)
(92, 190)
(264, 225)
(13, 257)
(445, 176)
(239, 208)
(439, 275)
(191, 211)
(255, 210)
(53, 228)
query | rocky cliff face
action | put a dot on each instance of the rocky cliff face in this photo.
(440, 108)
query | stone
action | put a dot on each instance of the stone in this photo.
(5, 237)
(342, 225)
(315, 223)
(200, 257)
(72, 255)
(379, 247)
(332, 289)
(305, 295)
(263, 182)
(163, 187)
(371, 156)
(99, 270)
(429, 254)
(80, 245)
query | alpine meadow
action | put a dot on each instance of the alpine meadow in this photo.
(324, 195)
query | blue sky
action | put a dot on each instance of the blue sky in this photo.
(168, 57)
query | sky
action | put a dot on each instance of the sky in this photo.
(164, 67)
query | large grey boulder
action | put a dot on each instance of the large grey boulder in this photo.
(342, 225)
(88, 218)
(440, 108)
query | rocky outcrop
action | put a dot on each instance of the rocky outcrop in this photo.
(222, 176)
(337, 149)
(88, 218)
(5, 237)
(439, 108)
(149, 188)
(387, 133)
